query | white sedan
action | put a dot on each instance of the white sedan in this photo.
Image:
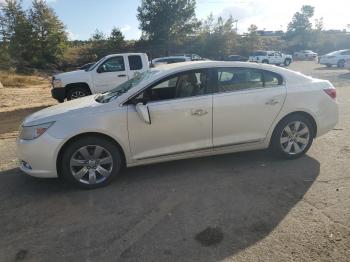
(174, 112)
(337, 58)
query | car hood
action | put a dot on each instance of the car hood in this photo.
(85, 105)
(77, 75)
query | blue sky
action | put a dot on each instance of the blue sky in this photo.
(83, 17)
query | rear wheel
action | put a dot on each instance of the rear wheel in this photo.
(292, 137)
(341, 63)
(91, 162)
(265, 61)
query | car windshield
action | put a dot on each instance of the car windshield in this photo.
(124, 87)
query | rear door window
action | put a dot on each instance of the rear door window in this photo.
(135, 62)
(236, 79)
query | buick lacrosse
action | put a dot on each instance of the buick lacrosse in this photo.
(174, 112)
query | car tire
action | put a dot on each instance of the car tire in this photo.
(292, 137)
(341, 63)
(91, 162)
(265, 61)
(329, 65)
(77, 92)
(287, 62)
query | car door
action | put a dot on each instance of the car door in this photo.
(111, 73)
(245, 105)
(180, 110)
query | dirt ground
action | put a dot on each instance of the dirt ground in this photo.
(238, 207)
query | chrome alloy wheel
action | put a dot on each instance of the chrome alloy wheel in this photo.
(91, 164)
(295, 137)
(77, 94)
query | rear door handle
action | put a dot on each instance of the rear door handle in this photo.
(272, 102)
(121, 75)
(199, 112)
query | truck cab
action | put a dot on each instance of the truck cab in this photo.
(107, 73)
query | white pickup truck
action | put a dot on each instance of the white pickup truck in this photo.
(271, 57)
(104, 75)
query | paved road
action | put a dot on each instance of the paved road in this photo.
(238, 207)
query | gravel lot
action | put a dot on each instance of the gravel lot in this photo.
(239, 207)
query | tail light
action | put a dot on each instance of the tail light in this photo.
(332, 92)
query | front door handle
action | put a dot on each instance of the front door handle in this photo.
(272, 102)
(199, 112)
(121, 75)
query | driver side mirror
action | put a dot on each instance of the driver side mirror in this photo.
(101, 69)
(143, 112)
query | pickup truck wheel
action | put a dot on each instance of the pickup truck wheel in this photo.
(265, 61)
(341, 63)
(287, 62)
(77, 92)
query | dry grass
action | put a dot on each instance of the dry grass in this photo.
(10, 80)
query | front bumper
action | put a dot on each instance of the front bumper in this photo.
(38, 157)
(58, 93)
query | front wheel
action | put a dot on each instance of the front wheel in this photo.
(292, 137)
(91, 162)
(77, 92)
(287, 62)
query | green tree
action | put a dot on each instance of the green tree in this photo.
(50, 36)
(298, 32)
(16, 34)
(165, 22)
(116, 41)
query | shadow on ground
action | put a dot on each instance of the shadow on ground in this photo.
(203, 209)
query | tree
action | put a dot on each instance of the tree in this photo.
(16, 34)
(167, 21)
(252, 39)
(299, 28)
(116, 41)
(50, 36)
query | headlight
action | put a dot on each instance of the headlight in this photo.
(32, 132)
(57, 83)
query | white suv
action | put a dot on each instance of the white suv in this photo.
(337, 58)
(271, 57)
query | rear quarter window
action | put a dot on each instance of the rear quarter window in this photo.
(272, 79)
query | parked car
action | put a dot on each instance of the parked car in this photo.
(104, 75)
(305, 55)
(169, 60)
(271, 57)
(174, 112)
(175, 59)
(237, 58)
(86, 66)
(193, 57)
(337, 58)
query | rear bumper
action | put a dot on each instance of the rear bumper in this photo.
(58, 93)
